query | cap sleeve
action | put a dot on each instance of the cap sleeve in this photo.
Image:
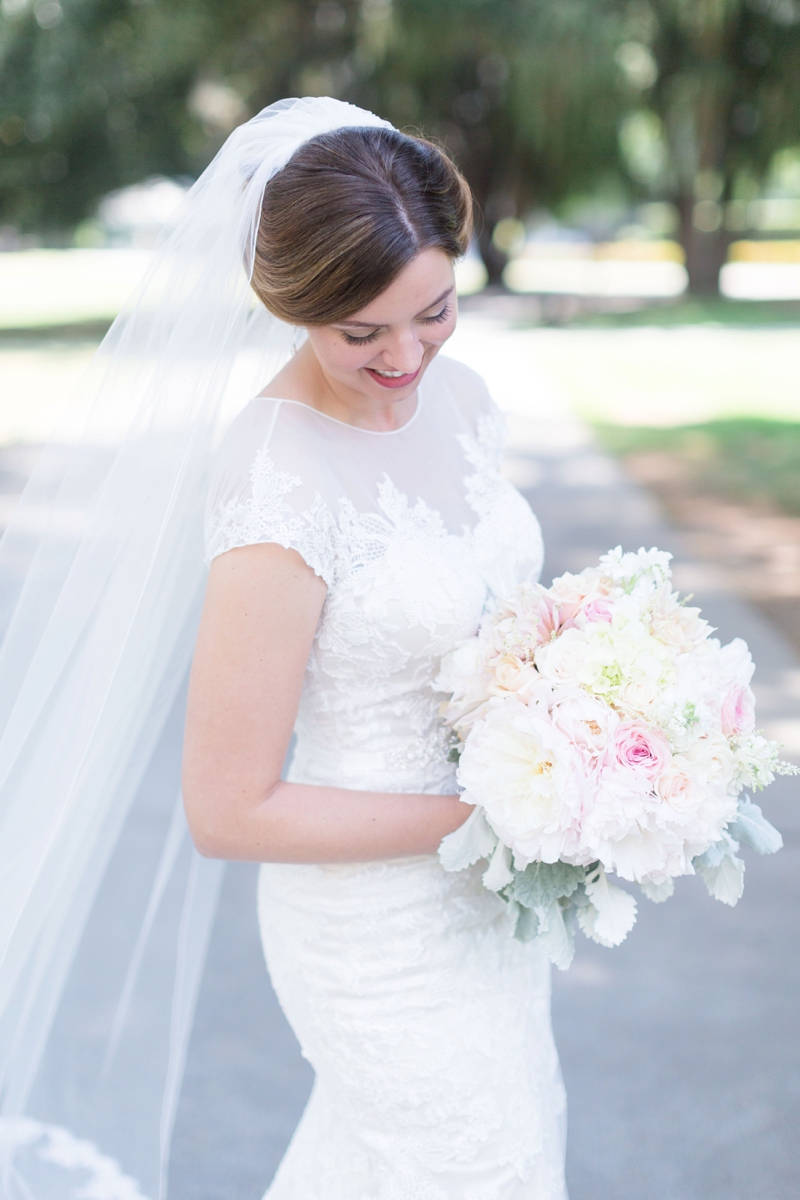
(259, 494)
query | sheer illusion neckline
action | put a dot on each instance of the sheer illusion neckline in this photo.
(346, 424)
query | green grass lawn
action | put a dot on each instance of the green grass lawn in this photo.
(741, 458)
(694, 310)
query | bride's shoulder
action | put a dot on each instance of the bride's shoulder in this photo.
(268, 475)
(266, 425)
(273, 447)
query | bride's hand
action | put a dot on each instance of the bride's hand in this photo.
(260, 616)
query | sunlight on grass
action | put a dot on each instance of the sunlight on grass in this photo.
(66, 287)
(749, 459)
(674, 376)
(36, 380)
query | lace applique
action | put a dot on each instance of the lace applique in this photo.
(365, 538)
(266, 517)
(484, 452)
(506, 541)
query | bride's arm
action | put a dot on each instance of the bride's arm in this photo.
(261, 612)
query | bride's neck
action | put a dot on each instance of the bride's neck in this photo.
(303, 380)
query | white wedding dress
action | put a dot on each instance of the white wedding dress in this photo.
(427, 1025)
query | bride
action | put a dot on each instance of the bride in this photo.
(357, 525)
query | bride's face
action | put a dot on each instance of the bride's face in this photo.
(382, 351)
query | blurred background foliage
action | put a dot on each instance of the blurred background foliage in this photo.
(752, 459)
(691, 107)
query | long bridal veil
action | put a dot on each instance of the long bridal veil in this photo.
(105, 909)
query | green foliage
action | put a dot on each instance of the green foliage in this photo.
(723, 85)
(741, 458)
(726, 88)
(538, 100)
(526, 923)
(698, 310)
(96, 94)
(542, 883)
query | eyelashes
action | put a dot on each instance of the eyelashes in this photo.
(358, 341)
(440, 316)
(370, 337)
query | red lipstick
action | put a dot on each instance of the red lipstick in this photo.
(394, 381)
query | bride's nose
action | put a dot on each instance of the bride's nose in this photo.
(404, 352)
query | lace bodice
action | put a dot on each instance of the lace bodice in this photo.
(411, 530)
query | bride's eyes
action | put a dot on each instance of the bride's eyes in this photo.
(359, 341)
(440, 316)
(352, 340)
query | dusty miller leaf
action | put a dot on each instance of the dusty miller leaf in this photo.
(542, 883)
(612, 913)
(466, 845)
(658, 892)
(752, 827)
(721, 870)
(499, 874)
(554, 936)
(526, 925)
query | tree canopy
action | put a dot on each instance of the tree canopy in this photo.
(684, 100)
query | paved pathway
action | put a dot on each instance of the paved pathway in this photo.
(679, 1048)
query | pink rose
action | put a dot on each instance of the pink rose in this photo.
(598, 610)
(738, 712)
(640, 750)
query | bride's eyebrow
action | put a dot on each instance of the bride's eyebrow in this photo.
(437, 301)
(377, 324)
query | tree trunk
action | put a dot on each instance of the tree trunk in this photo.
(493, 259)
(706, 252)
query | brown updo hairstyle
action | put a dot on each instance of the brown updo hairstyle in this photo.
(346, 214)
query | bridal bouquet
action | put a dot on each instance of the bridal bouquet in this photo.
(599, 729)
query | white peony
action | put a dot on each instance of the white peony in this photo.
(674, 623)
(461, 671)
(515, 627)
(527, 775)
(712, 762)
(736, 664)
(587, 722)
(575, 589)
(464, 674)
(624, 834)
